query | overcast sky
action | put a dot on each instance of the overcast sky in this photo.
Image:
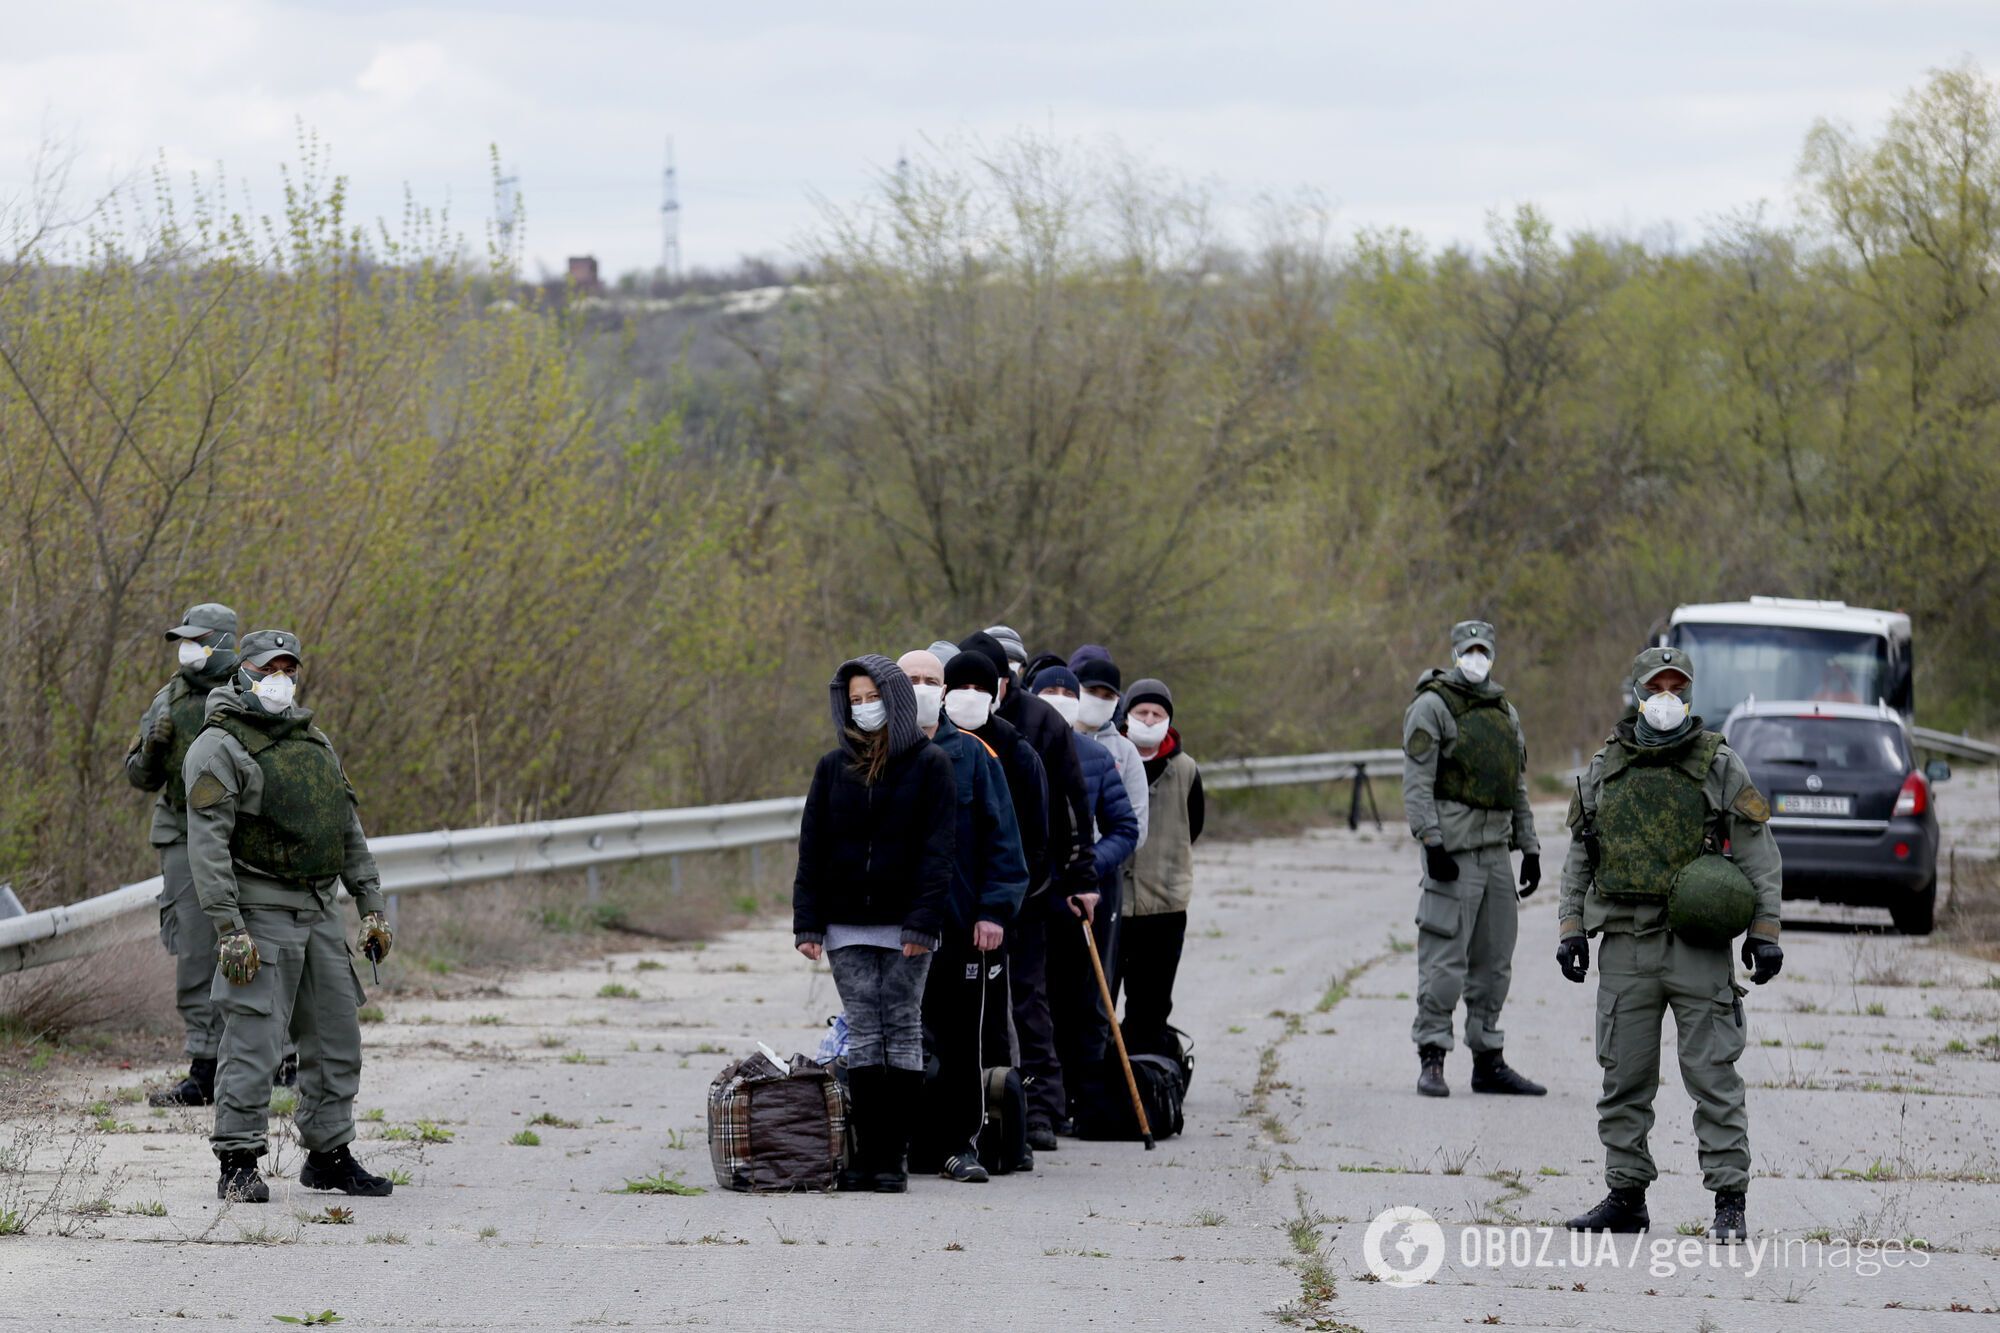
(1426, 115)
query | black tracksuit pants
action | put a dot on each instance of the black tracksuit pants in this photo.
(1083, 1028)
(966, 1022)
(1149, 957)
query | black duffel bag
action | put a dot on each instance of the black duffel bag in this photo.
(1104, 1111)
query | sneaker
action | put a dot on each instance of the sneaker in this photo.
(965, 1169)
(337, 1170)
(1041, 1138)
(239, 1181)
(1026, 1161)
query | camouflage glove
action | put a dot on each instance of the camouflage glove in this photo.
(237, 956)
(1438, 863)
(161, 736)
(376, 937)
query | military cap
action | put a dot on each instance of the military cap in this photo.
(1655, 660)
(204, 618)
(262, 646)
(1471, 634)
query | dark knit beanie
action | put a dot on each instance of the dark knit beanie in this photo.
(1100, 671)
(972, 668)
(984, 643)
(1050, 677)
(1149, 691)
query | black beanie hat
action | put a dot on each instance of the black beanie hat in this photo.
(989, 647)
(1100, 671)
(973, 668)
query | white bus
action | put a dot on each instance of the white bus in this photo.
(1788, 648)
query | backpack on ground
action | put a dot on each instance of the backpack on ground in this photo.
(777, 1128)
(1003, 1140)
(1104, 1111)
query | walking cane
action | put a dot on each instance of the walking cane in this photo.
(1117, 1037)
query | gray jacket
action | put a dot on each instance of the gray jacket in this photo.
(1131, 772)
(1429, 733)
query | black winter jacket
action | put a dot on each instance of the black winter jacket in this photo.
(1068, 857)
(1028, 785)
(877, 855)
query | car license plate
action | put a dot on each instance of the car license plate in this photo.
(1800, 804)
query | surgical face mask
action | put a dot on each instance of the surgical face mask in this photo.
(968, 708)
(1475, 666)
(1094, 712)
(192, 654)
(275, 691)
(1664, 711)
(1145, 735)
(871, 716)
(1063, 704)
(930, 698)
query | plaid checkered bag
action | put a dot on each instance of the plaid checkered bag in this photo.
(774, 1130)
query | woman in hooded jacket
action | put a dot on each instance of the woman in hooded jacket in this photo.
(876, 850)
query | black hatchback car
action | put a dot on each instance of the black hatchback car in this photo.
(1852, 812)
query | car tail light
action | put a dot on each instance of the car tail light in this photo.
(1902, 851)
(1915, 796)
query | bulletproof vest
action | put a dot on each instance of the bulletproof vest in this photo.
(1652, 816)
(187, 706)
(1483, 769)
(301, 831)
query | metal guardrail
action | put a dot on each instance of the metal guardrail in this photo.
(1959, 747)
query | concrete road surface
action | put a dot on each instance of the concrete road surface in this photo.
(1874, 1063)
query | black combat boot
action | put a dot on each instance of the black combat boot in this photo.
(1430, 1072)
(288, 1072)
(1623, 1210)
(239, 1182)
(197, 1089)
(1729, 1224)
(1491, 1074)
(864, 1099)
(337, 1170)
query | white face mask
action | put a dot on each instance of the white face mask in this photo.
(1664, 711)
(1475, 666)
(930, 698)
(1145, 735)
(275, 692)
(192, 654)
(871, 716)
(1093, 712)
(1063, 704)
(968, 708)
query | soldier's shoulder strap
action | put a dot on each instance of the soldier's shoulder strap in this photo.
(249, 737)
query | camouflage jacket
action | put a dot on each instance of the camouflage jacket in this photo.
(1430, 733)
(1744, 815)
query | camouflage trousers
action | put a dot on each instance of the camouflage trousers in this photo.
(188, 934)
(1639, 978)
(307, 989)
(1465, 949)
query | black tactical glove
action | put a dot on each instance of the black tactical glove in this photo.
(1531, 872)
(1573, 957)
(1438, 863)
(1763, 958)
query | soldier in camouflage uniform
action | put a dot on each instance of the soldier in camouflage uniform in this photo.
(1465, 791)
(1659, 794)
(272, 831)
(205, 642)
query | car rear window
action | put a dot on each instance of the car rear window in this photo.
(1826, 744)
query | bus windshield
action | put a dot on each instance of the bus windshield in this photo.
(1736, 662)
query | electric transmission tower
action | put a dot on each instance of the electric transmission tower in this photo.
(670, 219)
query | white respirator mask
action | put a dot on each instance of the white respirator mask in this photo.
(968, 708)
(1094, 712)
(1063, 704)
(871, 716)
(930, 698)
(275, 692)
(1146, 735)
(1475, 667)
(1665, 711)
(192, 654)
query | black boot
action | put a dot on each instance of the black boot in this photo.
(1041, 1138)
(864, 1093)
(239, 1182)
(1430, 1072)
(1623, 1210)
(288, 1072)
(1730, 1226)
(1491, 1074)
(337, 1170)
(197, 1089)
(897, 1114)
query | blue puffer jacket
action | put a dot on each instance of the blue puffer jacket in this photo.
(1110, 810)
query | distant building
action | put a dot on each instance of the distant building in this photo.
(583, 275)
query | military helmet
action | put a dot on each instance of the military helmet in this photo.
(262, 646)
(1711, 901)
(1471, 634)
(204, 618)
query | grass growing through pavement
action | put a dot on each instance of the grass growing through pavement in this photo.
(659, 1183)
(527, 1138)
